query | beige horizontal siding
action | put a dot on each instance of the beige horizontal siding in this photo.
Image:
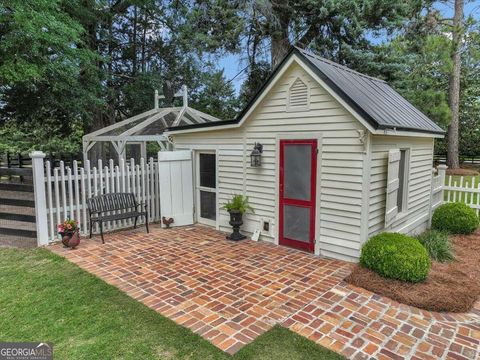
(341, 162)
(421, 160)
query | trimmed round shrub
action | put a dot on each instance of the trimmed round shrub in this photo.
(396, 256)
(437, 245)
(455, 218)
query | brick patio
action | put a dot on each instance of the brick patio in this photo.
(230, 293)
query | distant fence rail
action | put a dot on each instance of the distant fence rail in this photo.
(464, 159)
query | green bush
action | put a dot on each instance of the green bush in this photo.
(437, 245)
(396, 256)
(455, 218)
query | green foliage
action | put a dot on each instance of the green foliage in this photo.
(240, 203)
(437, 245)
(23, 140)
(396, 256)
(455, 218)
(216, 96)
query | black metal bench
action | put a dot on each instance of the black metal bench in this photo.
(111, 207)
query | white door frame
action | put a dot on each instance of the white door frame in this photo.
(290, 136)
(198, 188)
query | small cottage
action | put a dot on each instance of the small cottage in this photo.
(340, 157)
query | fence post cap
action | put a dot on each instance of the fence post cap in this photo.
(442, 167)
(37, 155)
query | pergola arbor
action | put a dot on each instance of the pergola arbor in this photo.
(145, 127)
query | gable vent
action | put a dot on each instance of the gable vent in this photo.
(298, 95)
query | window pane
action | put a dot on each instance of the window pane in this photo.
(401, 179)
(207, 205)
(207, 170)
(296, 223)
(297, 171)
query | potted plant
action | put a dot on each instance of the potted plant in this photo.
(236, 208)
(69, 231)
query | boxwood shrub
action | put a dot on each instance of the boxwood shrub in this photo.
(455, 218)
(437, 245)
(396, 256)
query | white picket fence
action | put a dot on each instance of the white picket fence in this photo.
(67, 190)
(465, 190)
(438, 180)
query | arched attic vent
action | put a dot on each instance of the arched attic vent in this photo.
(298, 95)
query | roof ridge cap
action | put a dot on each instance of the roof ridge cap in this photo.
(342, 67)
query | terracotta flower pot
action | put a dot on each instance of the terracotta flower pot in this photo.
(70, 239)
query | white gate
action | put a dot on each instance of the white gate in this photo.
(176, 186)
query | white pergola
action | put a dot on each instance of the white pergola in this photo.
(146, 127)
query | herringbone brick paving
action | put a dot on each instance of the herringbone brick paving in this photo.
(230, 293)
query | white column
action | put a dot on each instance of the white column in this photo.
(143, 150)
(40, 198)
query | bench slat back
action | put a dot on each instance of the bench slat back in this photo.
(111, 202)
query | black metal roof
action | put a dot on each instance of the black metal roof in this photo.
(372, 98)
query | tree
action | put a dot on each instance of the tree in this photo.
(216, 96)
(47, 75)
(454, 88)
(325, 26)
(330, 28)
(85, 64)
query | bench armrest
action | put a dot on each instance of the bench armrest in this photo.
(141, 204)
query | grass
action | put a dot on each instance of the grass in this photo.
(437, 245)
(45, 298)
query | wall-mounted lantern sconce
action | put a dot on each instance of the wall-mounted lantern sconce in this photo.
(256, 155)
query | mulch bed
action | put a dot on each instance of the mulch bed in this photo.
(462, 172)
(452, 287)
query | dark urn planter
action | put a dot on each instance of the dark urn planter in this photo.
(70, 239)
(236, 221)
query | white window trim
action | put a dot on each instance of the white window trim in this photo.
(197, 151)
(298, 108)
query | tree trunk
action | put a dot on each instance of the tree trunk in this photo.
(134, 60)
(279, 34)
(454, 88)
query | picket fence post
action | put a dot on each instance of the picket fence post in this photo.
(40, 198)
(442, 171)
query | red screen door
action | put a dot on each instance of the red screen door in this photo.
(298, 176)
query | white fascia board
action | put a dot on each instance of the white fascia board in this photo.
(393, 132)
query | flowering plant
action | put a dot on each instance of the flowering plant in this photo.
(68, 225)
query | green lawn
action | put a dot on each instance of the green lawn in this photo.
(45, 298)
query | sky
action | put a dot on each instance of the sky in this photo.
(232, 64)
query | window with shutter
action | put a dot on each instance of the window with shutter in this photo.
(397, 184)
(391, 208)
(298, 95)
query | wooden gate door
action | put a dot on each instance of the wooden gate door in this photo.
(176, 186)
(17, 208)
